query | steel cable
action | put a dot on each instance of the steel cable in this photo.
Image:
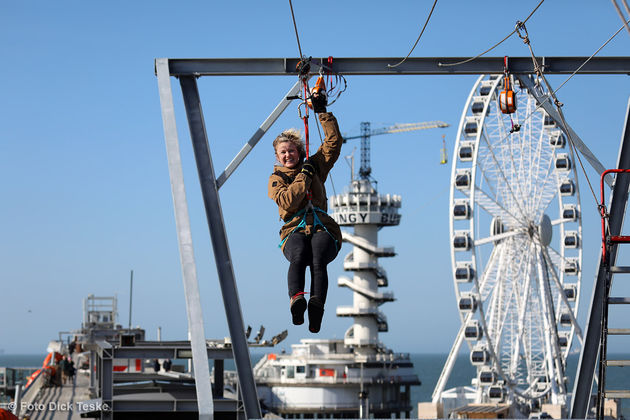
(495, 45)
(419, 36)
(620, 13)
(296, 30)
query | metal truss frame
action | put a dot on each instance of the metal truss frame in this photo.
(102, 358)
(188, 70)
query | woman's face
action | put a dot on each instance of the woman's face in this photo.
(287, 154)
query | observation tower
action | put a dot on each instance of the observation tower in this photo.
(364, 209)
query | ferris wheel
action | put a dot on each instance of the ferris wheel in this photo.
(516, 249)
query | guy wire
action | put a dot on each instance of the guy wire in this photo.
(593, 55)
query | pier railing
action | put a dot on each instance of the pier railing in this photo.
(31, 393)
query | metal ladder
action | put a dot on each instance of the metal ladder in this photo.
(587, 365)
(608, 242)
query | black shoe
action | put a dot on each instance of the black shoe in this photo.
(298, 307)
(315, 314)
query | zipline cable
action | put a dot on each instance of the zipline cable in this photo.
(495, 45)
(419, 36)
(296, 30)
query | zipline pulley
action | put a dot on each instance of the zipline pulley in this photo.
(507, 97)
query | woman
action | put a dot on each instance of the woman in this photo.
(310, 237)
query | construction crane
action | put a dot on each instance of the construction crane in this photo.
(366, 132)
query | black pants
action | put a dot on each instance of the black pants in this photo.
(314, 251)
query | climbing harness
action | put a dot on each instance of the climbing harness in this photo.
(316, 222)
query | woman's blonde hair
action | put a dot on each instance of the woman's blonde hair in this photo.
(294, 136)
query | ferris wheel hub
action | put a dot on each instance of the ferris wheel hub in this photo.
(545, 230)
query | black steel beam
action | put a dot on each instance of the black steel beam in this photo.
(161, 350)
(167, 353)
(379, 66)
(590, 347)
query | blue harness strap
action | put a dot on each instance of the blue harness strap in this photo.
(316, 222)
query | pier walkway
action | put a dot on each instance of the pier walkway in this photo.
(59, 402)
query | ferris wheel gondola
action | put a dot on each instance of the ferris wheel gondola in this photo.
(516, 249)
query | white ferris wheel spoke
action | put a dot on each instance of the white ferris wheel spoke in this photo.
(495, 209)
(567, 304)
(485, 286)
(517, 170)
(499, 236)
(556, 257)
(482, 317)
(500, 169)
(548, 175)
(520, 297)
(503, 293)
(521, 314)
(551, 334)
(484, 173)
(515, 143)
(500, 326)
(534, 172)
(560, 221)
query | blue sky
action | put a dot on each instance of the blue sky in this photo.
(85, 191)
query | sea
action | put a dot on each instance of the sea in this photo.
(427, 366)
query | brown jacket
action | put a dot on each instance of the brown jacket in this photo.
(291, 196)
